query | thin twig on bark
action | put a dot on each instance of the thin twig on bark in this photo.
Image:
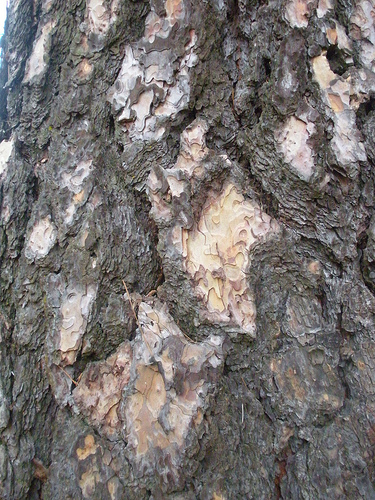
(187, 336)
(67, 374)
(136, 318)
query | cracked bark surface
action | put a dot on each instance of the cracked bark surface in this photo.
(218, 157)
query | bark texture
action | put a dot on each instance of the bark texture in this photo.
(216, 158)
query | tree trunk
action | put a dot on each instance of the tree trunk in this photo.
(187, 250)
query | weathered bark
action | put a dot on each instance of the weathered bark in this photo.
(216, 158)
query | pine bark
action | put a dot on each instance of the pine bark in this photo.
(187, 248)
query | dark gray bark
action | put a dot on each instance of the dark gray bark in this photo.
(216, 158)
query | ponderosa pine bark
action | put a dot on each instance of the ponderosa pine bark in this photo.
(209, 164)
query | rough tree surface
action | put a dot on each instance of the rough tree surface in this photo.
(217, 158)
